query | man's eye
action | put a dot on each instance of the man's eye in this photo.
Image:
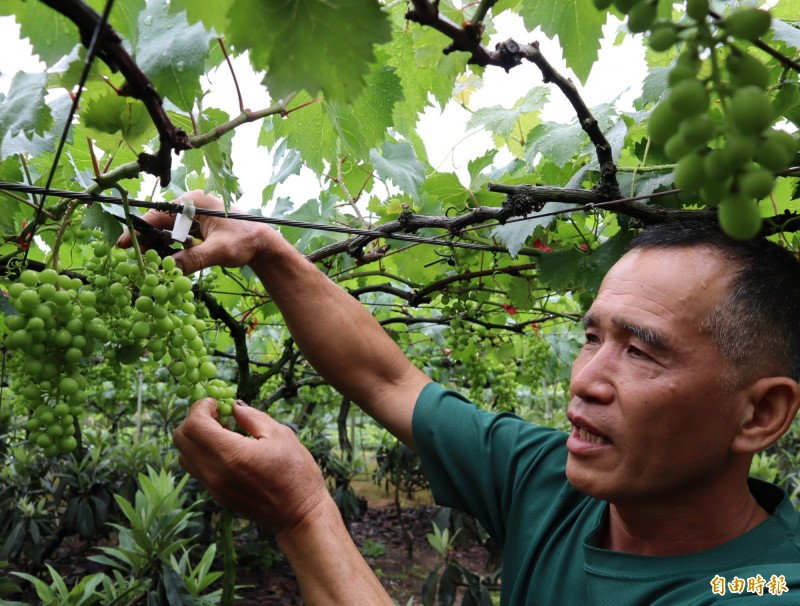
(592, 338)
(637, 353)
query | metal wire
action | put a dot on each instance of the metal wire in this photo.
(172, 208)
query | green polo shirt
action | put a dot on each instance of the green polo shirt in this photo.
(510, 475)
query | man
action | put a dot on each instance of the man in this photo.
(689, 368)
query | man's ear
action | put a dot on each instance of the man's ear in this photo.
(772, 403)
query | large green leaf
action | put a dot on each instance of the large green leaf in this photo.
(172, 53)
(51, 35)
(293, 39)
(578, 25)
(398, 162)
(211, 14)
(111, 114)
(24, 109)
(363, 124)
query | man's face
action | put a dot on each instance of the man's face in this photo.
(650, 413)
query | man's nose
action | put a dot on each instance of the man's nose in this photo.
(592, 377)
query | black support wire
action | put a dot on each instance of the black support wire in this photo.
(172, 208)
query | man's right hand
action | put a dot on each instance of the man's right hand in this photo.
(225, 242)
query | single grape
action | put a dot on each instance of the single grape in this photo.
(751, 110)
(739, 217)
(747, 23)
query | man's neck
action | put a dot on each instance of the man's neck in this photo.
(668, 528)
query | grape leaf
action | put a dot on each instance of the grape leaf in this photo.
(123, 18)
(112, 114)
(96, 217)
(398, 162)
(513, 235)
(51, 35)
(785, 33)
(172, 53)
(292, 39)
(362, 124)
(211, 14)
(578, 25)
(308, 130)
(24, 109)
(222, 179)
(501, 120)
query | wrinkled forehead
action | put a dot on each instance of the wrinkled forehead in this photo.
(685, 281)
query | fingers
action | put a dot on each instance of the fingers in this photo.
(154, 218)
(258, 424)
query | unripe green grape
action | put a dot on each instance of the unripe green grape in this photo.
(197, 346)
(152, 256)
(207, 370)
(116, 289)
(87, 298)
(160, 293)
(183, 391)
(29, 278)
(662, 37)
(62, 338)
(688, 97)
(61, 409)
(75, 326)
(663, 123)
(756, 182)
(48, 276)
(751, 110)
(697, 9)
(73, 355)
(641, 17)
(182, 284)
(193, 375)
(689, 173)
(747, 23)
(68, 386)
(28, 299)
(46, 291)
(18, 322)
(140, 330)
(697, 130)
(67, 444)
(191, 361)
(677, 147)
(777, 150)
(739, 217)
(739, 150)
(188, 332)
(15, 289)
(746, 70)
(168, 263)
(100, 249)
(55, 431)
(43, 440)
(601, 5)
(225, 408)
(178, 368)
(32, 367)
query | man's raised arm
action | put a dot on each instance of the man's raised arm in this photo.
(337, 335)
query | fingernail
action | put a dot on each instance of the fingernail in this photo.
(241, 403)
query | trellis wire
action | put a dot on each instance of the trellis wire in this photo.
(171, 208)
(90, 55)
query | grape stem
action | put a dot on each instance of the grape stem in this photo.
(123, 193)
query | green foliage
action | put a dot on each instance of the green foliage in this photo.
(348, 83)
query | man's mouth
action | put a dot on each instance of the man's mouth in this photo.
(588, 436)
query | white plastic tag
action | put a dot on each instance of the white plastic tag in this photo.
(183, 222)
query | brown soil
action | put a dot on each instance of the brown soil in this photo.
(407, 561)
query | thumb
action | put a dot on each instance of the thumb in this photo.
(258, 424)
(192, 259)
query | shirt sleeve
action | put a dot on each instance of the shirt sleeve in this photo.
(479, 462)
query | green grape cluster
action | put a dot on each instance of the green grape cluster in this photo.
(716, 123)
(124, 310)
(48, 334)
